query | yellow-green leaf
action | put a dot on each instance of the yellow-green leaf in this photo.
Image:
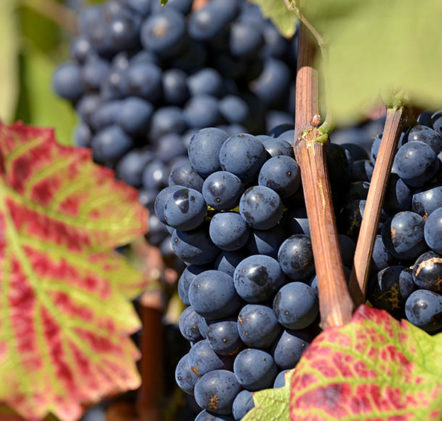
(379, 46)
(283, 18)
(9, 45)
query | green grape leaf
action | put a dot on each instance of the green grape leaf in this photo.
(284, 19)
(272, 404)
(373, 368)
(65, 319)
(45, 109)
(9, 47)
(377, 47)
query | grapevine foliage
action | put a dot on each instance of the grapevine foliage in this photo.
(372, 368)
(65, 317)
(277, 11)
(373, 48)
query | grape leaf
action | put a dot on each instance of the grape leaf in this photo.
(375, 47)
(272, 404)
(276, 10)
(373, 368)
(9, 47)
(65, 319)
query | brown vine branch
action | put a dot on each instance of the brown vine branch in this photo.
(55, 12)
(334, 299)
(151, 391)
(396, 118)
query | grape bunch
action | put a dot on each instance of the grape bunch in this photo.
(406, 268)
(144, 77)
(249, 284)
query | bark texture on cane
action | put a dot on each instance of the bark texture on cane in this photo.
(334, 299)
(151, 391)
(396, 118)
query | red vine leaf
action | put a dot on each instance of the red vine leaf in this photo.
(373, 368)
(65, 320)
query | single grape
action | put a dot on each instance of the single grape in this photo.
(296, 305)
(242, 404)
(427, 271)
(207, 416)
(110, 144)
(403, 235)
(433, 231)
(184, 175)
(390, 288)
(222, 190)
(165, 33)
(186, 279)
(428, 200)
(281, 174)
(289, 348)
(257, 326)
(261, 207)
(175, 89)
(185, 209)
(184, 376)
(234, 109)
(280, 379)
(416, 163)
(381, 257)
(424, 309)
(204, 150)
(277, 147)
(143, 80)
(67, 81)
(246, 39)
(213, 296)
(257, 278)
(165, 121)
(254, 369)
(188, 325)
(242, 155)
(216, 390)
(134, 116)
(203, 359)
(228, 231)
(296, 257)
(426, 135)
(205, 82)
(194, 247)
(223, 337)
(155, 175)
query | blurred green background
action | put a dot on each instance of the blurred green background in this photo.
(34, 38)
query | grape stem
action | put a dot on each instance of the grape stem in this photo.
(396, 118)
(310, 142)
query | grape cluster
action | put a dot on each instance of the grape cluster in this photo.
(244, 236)
(249, 285)
(144, 77)
(407, 257)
